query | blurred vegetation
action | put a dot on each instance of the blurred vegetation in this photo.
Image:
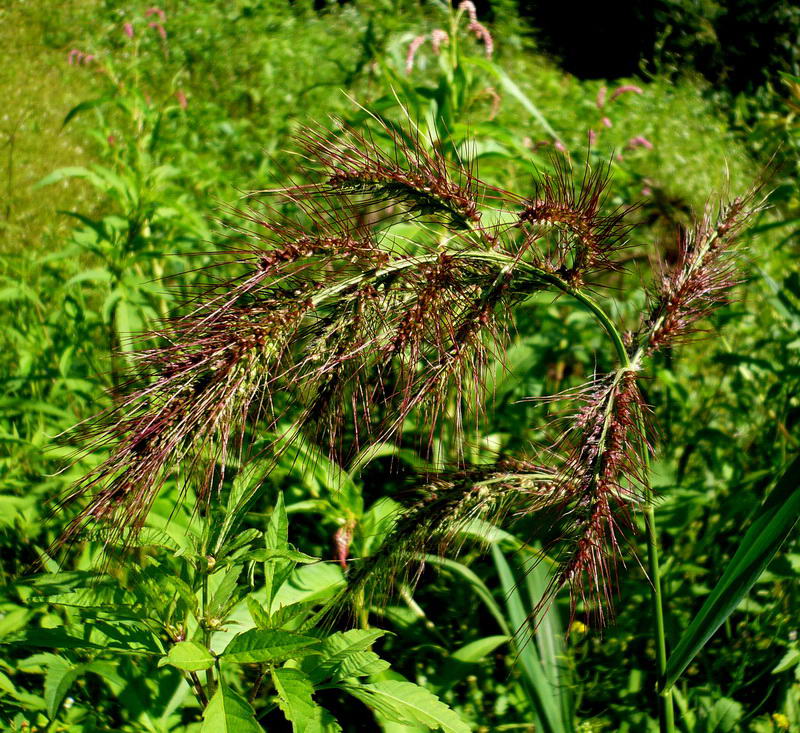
(120, 173)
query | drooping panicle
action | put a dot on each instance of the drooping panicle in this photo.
(586, 237)
(420, 180)
(701, 278)
(603, 481)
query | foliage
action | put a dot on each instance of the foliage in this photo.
(162, 135)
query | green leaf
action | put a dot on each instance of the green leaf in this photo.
(259, 645)
(511, 87)
(295, 699)
(59, 678)
(770, 528)
(346, 654)
(229, 712)
(543, 692)
(83, 106)
(408, 704)
(188, 656)
(276, 538)
(260, 617)
(459, 664)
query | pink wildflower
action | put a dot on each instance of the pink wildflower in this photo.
(468, 7)
(181, 97)
(156, 11)
(74, 56)
(592, 135)
(160, 28)
(601, 98)
(128, 28)
(640, 141)
(606, 122)
(558, 145)
(413, 47)
(438, 38)
(624, 89)
(482, 34)
(646, 191)
(111, 140)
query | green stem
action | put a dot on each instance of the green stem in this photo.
(667, 708)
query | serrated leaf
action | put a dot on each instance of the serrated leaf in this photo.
(229, 712)
(276, 538)
(269, 646)
(408, 704)
(188, 656)
(295, 691)
(338, 648)
(260, 617)
(359, 664)
(224, 596)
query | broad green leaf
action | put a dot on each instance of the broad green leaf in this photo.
(409, 704)
(459, 664)
(269, 646)
(310, 583)
(59, 678)
(770, 528)
(295, 699)
(229, 712)
(188, 656)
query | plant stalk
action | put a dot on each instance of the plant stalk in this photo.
(666, 707)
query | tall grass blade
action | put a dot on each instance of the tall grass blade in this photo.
(770, 528)
(544, 693)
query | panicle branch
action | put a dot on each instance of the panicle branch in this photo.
(587, 238)
(702, 276)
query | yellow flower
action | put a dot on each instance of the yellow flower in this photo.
(781, 721)
(577, 627)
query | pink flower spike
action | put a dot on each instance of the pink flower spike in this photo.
(181, 97)
(74, 56)
(601, 98)
(482, 34)
(646, 191)
(438, 39)
(112, 141)
(88, 59)
(468, 7)
(624, 89)
(413, 47)
(606, 122)
(160, 28)
(640, 141)
(592, 135)
(156, 11)
(558, 145)
(128, 29)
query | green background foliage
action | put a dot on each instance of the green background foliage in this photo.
(120, 178)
